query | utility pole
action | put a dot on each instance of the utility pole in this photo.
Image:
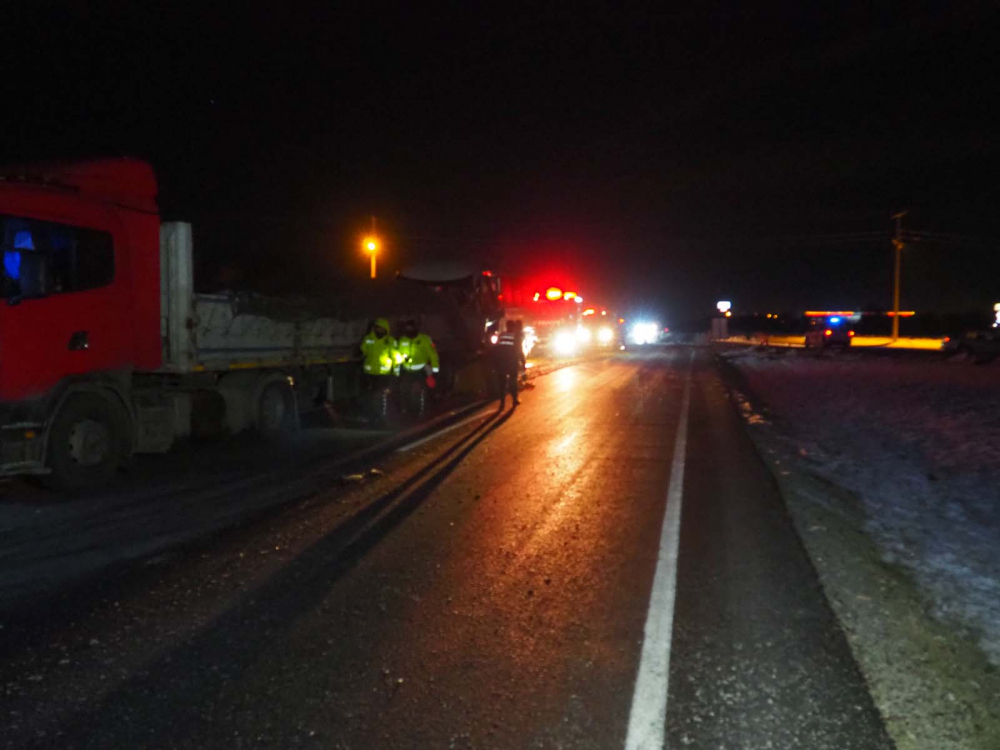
(897, 243)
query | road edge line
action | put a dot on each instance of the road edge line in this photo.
(448, 428)
(648, 714)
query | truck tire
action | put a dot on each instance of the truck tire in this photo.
(276, 410)
(88, 441)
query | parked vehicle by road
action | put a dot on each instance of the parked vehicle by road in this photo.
(108, 351)
(832, 331)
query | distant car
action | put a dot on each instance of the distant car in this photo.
(826, 333)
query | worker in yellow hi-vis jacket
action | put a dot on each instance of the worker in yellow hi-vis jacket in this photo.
(380, 358)
(419, 363)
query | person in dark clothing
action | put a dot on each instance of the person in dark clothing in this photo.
(508, 359)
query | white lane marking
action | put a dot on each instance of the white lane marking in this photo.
(449, 428)
(648, 716)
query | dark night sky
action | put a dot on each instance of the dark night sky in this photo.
(663, 159)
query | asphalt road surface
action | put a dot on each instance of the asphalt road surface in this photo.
(490, 589)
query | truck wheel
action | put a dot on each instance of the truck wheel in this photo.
(87, 443)
(275, 410)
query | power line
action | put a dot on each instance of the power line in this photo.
(944, 238)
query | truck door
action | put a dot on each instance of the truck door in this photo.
(65, 311)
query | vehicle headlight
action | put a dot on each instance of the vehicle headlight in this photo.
(564, 342)
(645, 333)
(605, 334)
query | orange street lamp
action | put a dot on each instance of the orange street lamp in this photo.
(371, 246)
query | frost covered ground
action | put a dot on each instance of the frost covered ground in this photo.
(917, 439)
(888, 466)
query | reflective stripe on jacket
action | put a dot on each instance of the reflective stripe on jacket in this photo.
(417, 352)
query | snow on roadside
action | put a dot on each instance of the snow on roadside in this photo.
(917, 439)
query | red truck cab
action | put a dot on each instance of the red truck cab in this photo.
(80, 313)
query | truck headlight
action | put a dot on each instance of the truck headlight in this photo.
(564, 343)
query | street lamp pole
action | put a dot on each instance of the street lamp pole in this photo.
(897, 243)
(371, 244)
